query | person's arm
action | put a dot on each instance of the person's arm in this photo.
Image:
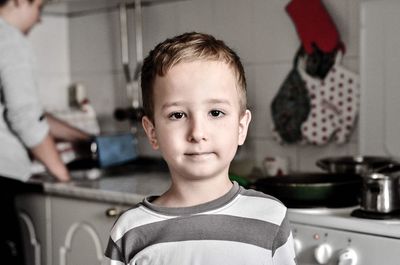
(61, 131)
(46, 152)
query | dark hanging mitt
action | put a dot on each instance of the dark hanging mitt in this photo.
(291, 106)
(318, 63)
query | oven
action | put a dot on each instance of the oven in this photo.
(334, 236)
(328, 224)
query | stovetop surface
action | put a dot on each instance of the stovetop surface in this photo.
(341, 219)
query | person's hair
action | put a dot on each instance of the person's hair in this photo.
(3, 2)
(187, 47)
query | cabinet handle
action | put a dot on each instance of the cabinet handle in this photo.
(112, 212)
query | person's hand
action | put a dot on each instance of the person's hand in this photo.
(46, 152)
(62, 175)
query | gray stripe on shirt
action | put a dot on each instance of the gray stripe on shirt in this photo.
(196, 227)
(114, 252)
(283, 234)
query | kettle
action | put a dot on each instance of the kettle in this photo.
(381, 190)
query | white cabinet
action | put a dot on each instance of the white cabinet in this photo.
(80, 230)
(67, 231)
(33, 211)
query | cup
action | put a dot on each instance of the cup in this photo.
(276, 165)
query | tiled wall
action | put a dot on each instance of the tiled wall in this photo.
(50, 42)
(259, 30)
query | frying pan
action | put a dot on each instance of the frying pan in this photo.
(313, 189)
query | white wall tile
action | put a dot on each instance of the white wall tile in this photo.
(94, 43)
(353, 45)
(308, 155)
(339, 12)
(192, 16)
(101, 90)
(345, 14)
(49, 41)
(53, 90)
(275, 37)
(159, 22)
(234, 23)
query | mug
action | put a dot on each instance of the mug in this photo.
(276, 165)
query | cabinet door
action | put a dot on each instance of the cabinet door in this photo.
(80, 230)
(33, 212)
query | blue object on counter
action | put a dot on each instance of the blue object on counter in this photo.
(115, 149)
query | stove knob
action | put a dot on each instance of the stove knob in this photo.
(323, 253)
(297, 246)
(348, 256)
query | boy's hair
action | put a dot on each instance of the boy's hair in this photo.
(187, 47)
(4, 2)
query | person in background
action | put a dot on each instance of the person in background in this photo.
(194, 98)
(24, 127)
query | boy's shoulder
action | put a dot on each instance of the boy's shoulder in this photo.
(131, 218)
(262, 206)
(258, 194)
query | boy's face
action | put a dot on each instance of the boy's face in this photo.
(197, 120)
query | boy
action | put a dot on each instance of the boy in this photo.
(194, 98)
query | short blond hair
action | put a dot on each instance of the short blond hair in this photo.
(188, 47)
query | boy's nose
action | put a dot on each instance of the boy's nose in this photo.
(197, 131)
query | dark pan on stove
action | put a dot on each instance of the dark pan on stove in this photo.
(307, 190)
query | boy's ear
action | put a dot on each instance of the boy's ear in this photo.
(244, 122)
(150, 130)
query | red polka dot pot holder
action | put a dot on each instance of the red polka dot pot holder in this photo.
(334, 104)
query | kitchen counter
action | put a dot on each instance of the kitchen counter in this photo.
(124, 186)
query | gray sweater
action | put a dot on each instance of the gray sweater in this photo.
(22, 124)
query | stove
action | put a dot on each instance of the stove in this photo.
(335, 236)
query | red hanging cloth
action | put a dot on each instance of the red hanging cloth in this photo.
(314, 25)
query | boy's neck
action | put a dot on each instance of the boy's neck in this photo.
(191, 193)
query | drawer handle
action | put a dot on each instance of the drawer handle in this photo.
(112, 212)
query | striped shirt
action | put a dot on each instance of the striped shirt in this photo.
(241, 227)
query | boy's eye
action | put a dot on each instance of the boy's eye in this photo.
(177, 115)
(216, 113)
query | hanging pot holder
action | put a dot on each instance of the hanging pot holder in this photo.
(334, 104)
(291, 106)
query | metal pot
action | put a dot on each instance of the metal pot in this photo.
(381, 192)
(353, 164)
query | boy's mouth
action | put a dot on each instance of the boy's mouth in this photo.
(199, 154)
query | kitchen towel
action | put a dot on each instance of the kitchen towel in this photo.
(334, 104)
